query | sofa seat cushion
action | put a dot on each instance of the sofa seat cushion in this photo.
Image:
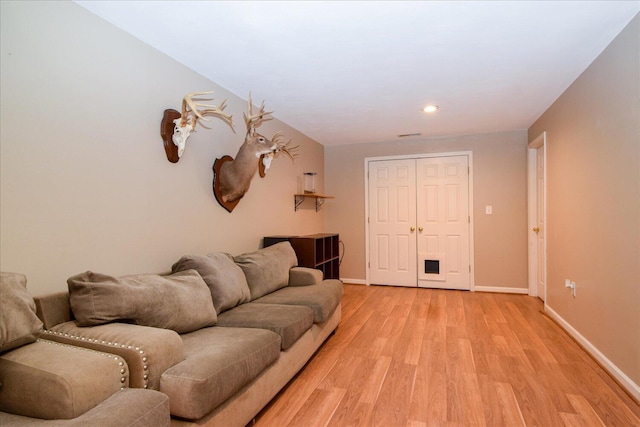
(288, 321)
(51, 380)
(219, 362)
(267, 269)
(322, 298)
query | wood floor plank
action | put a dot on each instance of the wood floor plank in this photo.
(493, 410)
(392, 406)
(553, 379)
(431, 357)
(375, 379)
(603, 400)
(429, 399)
(511, 414)
(415, 331)
(356, 406)
(320, 406)
(584, 409)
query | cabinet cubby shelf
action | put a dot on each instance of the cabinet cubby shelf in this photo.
(319, 251)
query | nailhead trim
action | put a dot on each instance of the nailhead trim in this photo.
(108, 343)
(116, 358)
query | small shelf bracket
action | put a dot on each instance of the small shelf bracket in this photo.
(299, 198)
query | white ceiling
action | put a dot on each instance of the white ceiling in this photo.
(346, 72)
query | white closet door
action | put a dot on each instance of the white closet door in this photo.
(443, 222)
(392, 219)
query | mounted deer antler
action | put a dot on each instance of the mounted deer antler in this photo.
(185, 122)
(253, 121)
(232, 177)
(190, 113)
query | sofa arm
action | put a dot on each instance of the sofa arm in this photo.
(127, 408)
(304, 276)
(53, 309)
(148, 351)
(50, 380)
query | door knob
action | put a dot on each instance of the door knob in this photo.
(420, 228)
(413, 229)
(536, 229)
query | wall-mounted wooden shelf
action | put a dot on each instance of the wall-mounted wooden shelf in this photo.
(320, 198)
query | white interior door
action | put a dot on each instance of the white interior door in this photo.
(540, 227)
(392, 218)
(419, 224)
(443, 222)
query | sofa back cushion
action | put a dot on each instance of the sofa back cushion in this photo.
(267, 269)
(181, 301)
(226, 281)
(19, 324)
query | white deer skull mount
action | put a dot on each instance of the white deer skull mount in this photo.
(184, 123)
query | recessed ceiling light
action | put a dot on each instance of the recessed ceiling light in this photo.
(430, 108)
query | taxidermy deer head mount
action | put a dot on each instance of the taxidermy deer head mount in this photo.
(232, 177)
(177, 127)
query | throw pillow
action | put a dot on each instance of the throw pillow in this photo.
(267, 269)
(225, 279)
(180, 302)
(19, 324)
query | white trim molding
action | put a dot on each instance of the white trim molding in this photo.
(532, 215)
(608, 365)
(500, 289)
(353, 281)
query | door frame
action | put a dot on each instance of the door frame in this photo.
(532, 201)
(367, 160)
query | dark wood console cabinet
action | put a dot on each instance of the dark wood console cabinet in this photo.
(319, 251)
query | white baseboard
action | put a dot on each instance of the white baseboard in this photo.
(354, 281)
(501, 289)
(477, 288)
(607, 364)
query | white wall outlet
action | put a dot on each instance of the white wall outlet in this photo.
(571, 285)
(488, 210)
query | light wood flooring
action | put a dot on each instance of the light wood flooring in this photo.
(422, 357)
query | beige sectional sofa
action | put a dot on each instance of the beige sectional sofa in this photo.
(46, 383)
(220, 335)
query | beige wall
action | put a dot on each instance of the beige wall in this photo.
(499, 180)
(85, 183)
(593, 181)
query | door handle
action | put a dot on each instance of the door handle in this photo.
(420, 229)
(536, 229)
(412, 229)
